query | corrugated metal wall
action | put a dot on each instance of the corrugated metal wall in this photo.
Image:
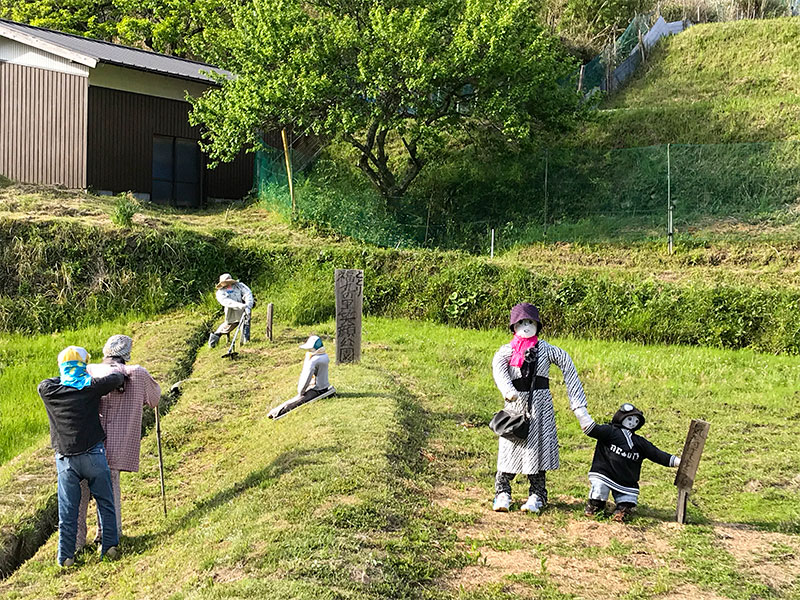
(120, 144)
(42, 126)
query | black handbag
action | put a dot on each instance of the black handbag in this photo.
(515, 424)
(510, 423)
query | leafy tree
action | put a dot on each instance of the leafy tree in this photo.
(393, 78)
(183, 28)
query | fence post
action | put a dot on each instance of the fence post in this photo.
(270, 310)
(288, 168)
(546, 165)
(491, 250)
(580, 79)
(670, 230)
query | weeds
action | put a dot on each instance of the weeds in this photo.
(125, 208)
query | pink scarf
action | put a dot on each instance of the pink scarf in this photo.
(520, 346)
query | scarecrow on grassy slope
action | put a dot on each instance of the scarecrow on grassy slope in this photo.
(313, 383)
(72, 402)
(121, 418)
(521, 370)
(238, 301)
(617, 462)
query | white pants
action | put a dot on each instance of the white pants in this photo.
(83, 509)
(600, 491)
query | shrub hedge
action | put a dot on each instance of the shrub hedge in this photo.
(62, 274)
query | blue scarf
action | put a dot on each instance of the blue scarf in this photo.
(74, 374)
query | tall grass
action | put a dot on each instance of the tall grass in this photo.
(25, 360)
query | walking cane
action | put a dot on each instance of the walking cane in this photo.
(160, 461)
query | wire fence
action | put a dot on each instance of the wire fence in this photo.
(573, 194)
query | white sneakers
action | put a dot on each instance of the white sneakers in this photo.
(502, 502)
(533, 504)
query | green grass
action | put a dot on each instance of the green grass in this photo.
(713, 83)
(384, 490)
(24, 361)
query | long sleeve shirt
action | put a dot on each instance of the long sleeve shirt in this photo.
(235, 299)
(74, 414)
(121, 413)
(315, 372)
(619, 454)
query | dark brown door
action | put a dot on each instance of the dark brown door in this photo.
(177, 172)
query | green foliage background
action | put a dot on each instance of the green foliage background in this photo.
(67, 275)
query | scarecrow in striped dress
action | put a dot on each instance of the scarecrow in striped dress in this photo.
(521, 371)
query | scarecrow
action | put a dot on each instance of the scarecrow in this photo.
(313, 383)
(617, 462)
(238, 301)
(521, 369)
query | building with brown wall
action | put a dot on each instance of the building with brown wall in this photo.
(83, 113)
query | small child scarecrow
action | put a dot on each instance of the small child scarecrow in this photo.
(313, 383)
(521, 370)
(617, 462)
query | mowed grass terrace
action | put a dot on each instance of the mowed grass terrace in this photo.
(384, 491)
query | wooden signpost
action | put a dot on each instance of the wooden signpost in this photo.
(349, 286)
(690, 460)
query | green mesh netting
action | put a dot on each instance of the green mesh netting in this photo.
(616, 190)
(595, 71)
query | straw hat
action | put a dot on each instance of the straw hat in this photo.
(225, 279)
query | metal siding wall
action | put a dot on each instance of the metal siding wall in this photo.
(120, 143)
(42, 126)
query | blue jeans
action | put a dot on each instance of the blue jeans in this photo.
(93, 467)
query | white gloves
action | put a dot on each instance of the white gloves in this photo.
(676, 461)
(512, 395)
(584, 420)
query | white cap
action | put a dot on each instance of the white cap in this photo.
(312, 343)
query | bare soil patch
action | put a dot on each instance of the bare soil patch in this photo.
(773, 557)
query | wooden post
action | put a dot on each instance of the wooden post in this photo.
(580, 79)
(491, 250)
(349, 287)
(690, 460)
(546, 166)
(641, 45)
(288, 168)
(270, 310)
(670, 228)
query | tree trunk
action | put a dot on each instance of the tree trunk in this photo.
(374, 163)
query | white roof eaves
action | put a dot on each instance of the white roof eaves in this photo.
(40, 44)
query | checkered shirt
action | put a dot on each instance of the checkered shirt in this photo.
(121, 414)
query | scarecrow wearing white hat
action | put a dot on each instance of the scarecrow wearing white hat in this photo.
(313, 383)
(238, 301)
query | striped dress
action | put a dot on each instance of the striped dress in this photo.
(540, 451)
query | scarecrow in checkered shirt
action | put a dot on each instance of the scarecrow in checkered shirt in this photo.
(121, 418)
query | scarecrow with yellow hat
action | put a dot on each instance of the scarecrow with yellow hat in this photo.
(237, 300)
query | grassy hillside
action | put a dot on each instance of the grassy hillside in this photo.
(714, 83)
(59, 272)
(384, 490)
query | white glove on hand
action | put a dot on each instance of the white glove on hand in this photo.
(511, 396)
(676, 461)
(584, 420)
